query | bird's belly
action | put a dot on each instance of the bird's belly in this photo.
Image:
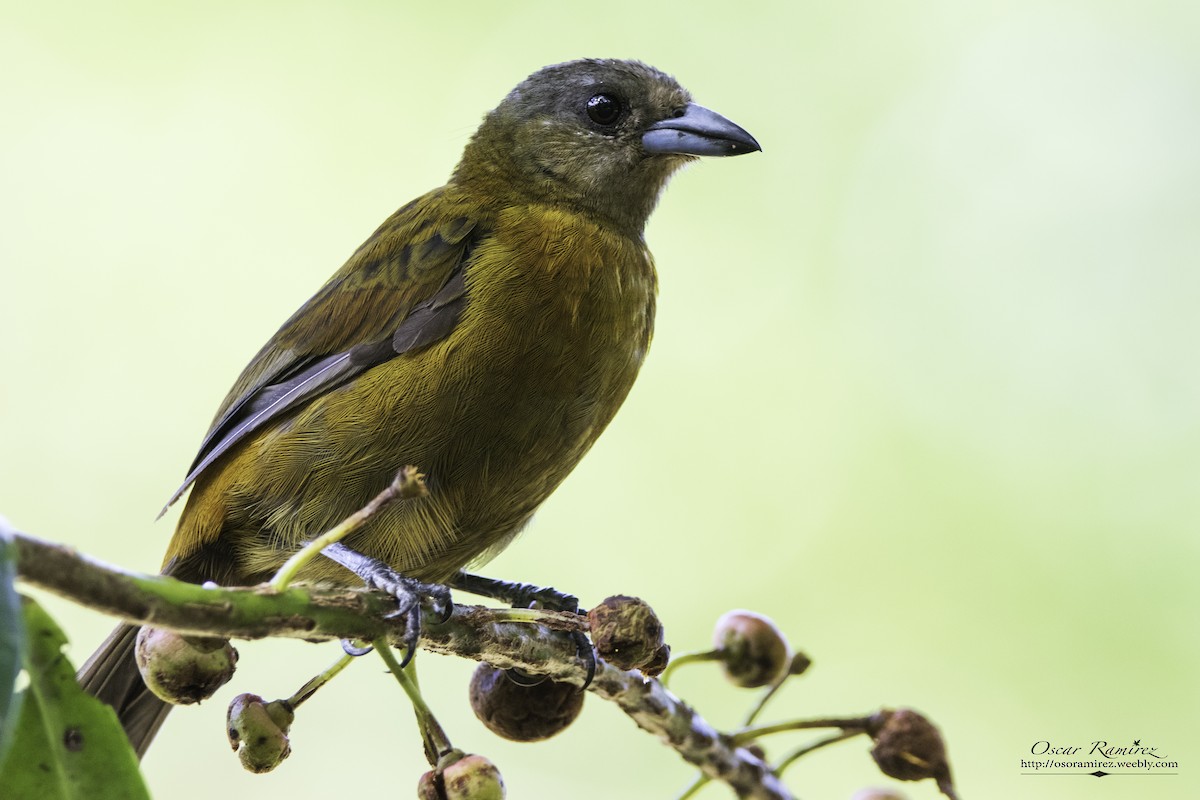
(495, 416)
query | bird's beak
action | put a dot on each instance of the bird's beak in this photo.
(698, 132)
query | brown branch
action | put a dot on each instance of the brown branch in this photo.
(318, 614)
(678, 726)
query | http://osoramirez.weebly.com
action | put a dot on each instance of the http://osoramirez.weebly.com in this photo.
(1099, 756)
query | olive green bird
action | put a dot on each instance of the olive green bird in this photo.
(487, 332)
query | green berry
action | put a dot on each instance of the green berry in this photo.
(462, 777)
(183, 670)
(473, 778)
(258, 731)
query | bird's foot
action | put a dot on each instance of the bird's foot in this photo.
(410, 593)
(526, 595)
(520, 595)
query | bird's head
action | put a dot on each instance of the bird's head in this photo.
(599, 135)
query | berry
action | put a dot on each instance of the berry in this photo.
(258, 731)
(908, 747)
(183, 670)
(462, 777)
(626, 632)
(519, 712)
(754, 651)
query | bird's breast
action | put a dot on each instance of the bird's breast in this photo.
(558, 319)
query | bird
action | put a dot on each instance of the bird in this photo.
(486, 332)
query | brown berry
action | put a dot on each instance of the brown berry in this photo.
(656, 665)
(908, 747)
(519, 712)
(183, 670)
(258, 731)
(626, 632)
(753, 650)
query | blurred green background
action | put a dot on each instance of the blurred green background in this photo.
(924, 386)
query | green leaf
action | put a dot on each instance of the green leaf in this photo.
(68, 745)
(12, 638)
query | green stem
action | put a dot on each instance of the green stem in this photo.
(689, 658)
(798, 666)
(762, 701)
(309, 689)
(747, 735)
(696, 786)
(532, 616)
(437, 743)
(803, 751)
(407, 483)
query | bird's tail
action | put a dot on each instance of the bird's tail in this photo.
(111, 675)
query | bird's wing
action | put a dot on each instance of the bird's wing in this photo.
(402, 290)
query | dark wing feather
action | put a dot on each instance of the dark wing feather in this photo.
(402, 290)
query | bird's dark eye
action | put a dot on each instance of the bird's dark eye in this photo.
(604, 109)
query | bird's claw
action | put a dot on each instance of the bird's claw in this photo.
(526, 595)
(440, 602)
(410, 594)
(412, 634)
(351, 649)
(584, 651)
(587, 654)
(554, 600)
